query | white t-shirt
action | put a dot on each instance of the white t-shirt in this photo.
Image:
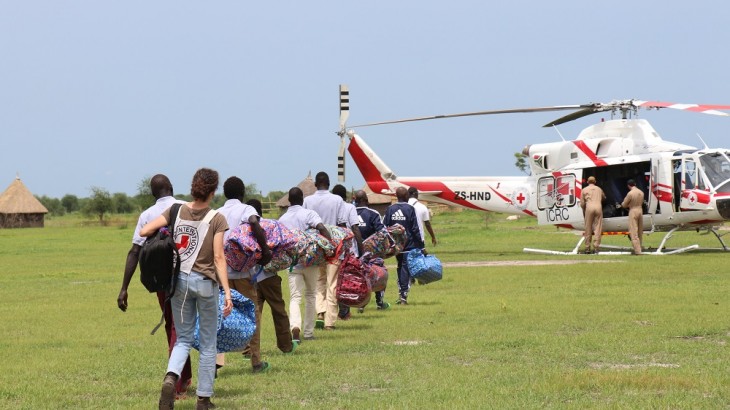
(349, 215)
(326, 204)
(152, 213)
(296, 217)
(236, 212)
(422, 215)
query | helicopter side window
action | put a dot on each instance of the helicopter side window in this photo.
(545, 192)
(692, 179)
(565, 187)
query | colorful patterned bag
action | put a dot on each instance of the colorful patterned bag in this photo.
(342, 239)
(242, 251)
(424, 268)
(234, 331)
(375, 272)
(313, 248)
(387, 242)
(353, 288)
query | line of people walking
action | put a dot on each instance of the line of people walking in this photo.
(204, 270)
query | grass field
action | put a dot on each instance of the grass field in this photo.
(629, 332)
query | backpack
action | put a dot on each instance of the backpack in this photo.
(159, 261)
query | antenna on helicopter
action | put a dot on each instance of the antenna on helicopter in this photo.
(703, 141)
(344, 114)
(559, 134)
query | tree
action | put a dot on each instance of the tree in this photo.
(99, 203)
(252, 191)
(53, 205)
(144, 197)
(70, 202)
(121, 203)
(521, 162)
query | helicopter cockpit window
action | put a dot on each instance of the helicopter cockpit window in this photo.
(717, 168)
(556, 191)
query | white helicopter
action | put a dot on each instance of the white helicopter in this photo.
(685, 188)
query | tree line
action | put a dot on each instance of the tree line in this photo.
(101, 202)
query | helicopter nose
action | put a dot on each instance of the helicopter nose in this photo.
(723, 207)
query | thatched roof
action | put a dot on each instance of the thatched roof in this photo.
(307, 187)
(376, 199)
(17, 199)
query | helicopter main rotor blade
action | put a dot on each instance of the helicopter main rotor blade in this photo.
(469, 114)
(572, 116)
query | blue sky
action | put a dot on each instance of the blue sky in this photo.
(107, 93)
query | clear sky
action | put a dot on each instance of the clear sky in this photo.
(106, 93)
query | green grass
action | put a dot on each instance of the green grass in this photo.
(636, 332)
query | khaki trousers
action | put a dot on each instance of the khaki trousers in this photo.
(303, 282)
(327, 292)
(594, 226)
(636, 228)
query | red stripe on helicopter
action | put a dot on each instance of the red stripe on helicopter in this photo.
(706, 221)
(701, 197)
(371, 174)
(590, 154)
(445, 193)
(663, 196)
(509, 201)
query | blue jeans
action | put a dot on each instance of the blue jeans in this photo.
(195, 294)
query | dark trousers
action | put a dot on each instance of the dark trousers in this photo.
(404, 277)
(187, 373)
(269, 291)
(247, 289)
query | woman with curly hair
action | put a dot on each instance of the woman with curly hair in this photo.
(198, 232)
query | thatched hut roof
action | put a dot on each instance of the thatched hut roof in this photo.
(17, 199)
(307, 187)
(376, 199)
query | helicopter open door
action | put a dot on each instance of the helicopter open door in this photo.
(557, 201)
(694, 193)
(653, 184)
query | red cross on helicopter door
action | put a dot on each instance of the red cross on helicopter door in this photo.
(558, 198)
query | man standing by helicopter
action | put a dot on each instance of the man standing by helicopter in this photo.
(634, 202)
(591, 199)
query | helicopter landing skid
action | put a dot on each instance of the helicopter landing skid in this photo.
(620, 250)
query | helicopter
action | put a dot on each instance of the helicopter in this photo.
(685, 188)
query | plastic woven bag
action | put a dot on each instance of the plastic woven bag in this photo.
(235, 330)
(424, 268)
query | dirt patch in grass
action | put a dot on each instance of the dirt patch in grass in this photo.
(521, 263)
